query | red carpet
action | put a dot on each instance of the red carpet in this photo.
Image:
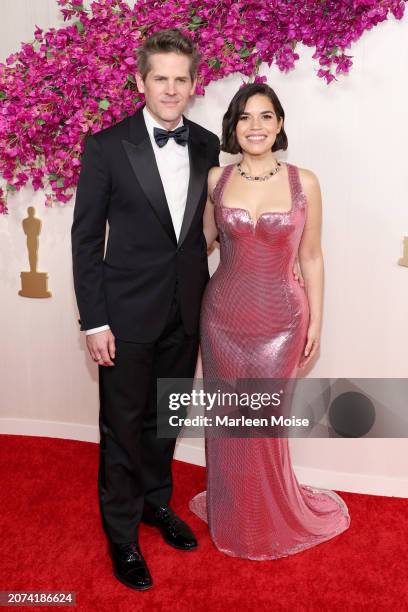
(52, 540)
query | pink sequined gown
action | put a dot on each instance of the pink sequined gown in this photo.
(253, 325)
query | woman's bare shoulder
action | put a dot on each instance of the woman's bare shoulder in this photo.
(308, 177)
(309, 181)
(214, 175)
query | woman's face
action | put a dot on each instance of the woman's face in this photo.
(258, 125)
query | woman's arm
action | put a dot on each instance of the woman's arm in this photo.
(311, 262)
(209, 227)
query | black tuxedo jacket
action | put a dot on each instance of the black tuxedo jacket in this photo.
(132, 286)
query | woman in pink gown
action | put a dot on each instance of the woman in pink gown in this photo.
(258, 322)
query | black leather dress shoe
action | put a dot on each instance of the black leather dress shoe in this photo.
(129, 566)
(174, 531)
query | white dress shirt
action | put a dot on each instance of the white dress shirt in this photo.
(174, 169)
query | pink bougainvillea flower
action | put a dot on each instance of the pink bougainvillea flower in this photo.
(3, 203)
(78, 79)
(48, 200)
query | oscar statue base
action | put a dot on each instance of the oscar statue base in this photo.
(403, 261)
(34, 285)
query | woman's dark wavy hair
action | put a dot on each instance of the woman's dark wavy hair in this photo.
(229, 142)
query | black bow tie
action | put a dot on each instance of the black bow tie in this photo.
(180, 135)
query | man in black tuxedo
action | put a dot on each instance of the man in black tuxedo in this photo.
(140, 302)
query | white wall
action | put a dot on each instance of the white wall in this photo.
(352, 134)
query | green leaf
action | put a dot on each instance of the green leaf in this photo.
(79, 26)
(131, 79)
(11, 188)
(3, 95)
(60, 183)
(215, 63)
(104, 104)
(195, 23)
(40, 121)
(244, 52)
(53, 177)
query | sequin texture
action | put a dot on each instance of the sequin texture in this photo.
(254, 323)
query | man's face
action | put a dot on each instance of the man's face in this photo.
(167, 87)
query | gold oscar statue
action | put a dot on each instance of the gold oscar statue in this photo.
(34, 284)
(403, 261)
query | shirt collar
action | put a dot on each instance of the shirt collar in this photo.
(151, 122)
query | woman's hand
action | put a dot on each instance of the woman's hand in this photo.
(297, 272)
(312, 344)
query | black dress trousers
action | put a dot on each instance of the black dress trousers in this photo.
(135, 465)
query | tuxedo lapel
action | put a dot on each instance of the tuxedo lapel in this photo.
(198, 174)
(142, 159)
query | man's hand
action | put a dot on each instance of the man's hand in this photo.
(297, 273)
(101, 347)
